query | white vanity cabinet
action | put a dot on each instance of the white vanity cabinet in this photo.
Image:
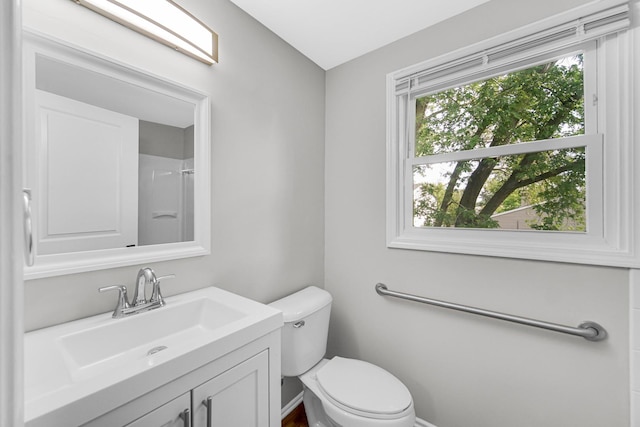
(240, 389)
(145, 370)
(171, 414)
(236, 398)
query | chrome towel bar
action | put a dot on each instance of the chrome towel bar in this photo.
(590, 331)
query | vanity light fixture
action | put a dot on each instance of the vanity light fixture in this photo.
(164, 21)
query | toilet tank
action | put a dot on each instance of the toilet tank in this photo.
(306, 325)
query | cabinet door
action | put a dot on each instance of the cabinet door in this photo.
(171, 414)
(238, 397)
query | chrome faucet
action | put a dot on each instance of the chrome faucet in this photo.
(145, 276)
(139, 303)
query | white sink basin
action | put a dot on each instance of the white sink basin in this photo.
(66, 363)
(122, 341)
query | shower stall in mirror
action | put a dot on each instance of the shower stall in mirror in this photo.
(165, 173)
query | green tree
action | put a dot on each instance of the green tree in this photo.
(542, 102)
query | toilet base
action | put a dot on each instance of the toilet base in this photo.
(316, 416)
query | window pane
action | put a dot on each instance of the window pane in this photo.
(541, 102)
(540, 191)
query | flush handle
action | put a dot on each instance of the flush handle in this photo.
(299, 324)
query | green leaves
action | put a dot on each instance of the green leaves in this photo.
(542, 102)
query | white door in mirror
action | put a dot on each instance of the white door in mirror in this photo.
(88, 200)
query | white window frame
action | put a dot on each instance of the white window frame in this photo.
(612, 234)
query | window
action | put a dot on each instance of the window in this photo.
(518, 147)
(540, 186)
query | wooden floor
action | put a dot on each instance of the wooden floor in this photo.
(296, 418)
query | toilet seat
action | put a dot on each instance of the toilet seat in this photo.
(363, 389)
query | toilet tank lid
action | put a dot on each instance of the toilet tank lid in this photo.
(302, 303)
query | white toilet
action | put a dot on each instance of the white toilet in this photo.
(338, 392)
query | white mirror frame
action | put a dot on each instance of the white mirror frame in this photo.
(77, 262)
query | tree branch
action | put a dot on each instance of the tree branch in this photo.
(512, 184)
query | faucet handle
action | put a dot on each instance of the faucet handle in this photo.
(156, 295)
(123, 301)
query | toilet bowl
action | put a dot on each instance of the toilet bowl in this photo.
(338, 392)
(349, 392)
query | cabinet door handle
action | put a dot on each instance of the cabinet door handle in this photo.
(186, 417)
(28, 230)
(208, 403)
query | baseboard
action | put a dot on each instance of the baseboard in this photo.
(286, 410)
(293, 404)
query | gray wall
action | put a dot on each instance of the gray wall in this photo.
(462, 370)
(267, 143)
(165, 141)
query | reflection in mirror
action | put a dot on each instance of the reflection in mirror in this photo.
(165, 183)
(117, 161)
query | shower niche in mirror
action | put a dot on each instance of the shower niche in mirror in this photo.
(117, 161)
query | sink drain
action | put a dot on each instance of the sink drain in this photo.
(154, 350)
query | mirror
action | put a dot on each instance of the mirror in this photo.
(117, 161)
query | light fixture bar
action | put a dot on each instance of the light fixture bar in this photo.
(163, 21)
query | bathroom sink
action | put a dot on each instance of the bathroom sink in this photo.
(68, 366)
(137, 338)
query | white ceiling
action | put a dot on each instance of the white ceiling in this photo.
(331, 32)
